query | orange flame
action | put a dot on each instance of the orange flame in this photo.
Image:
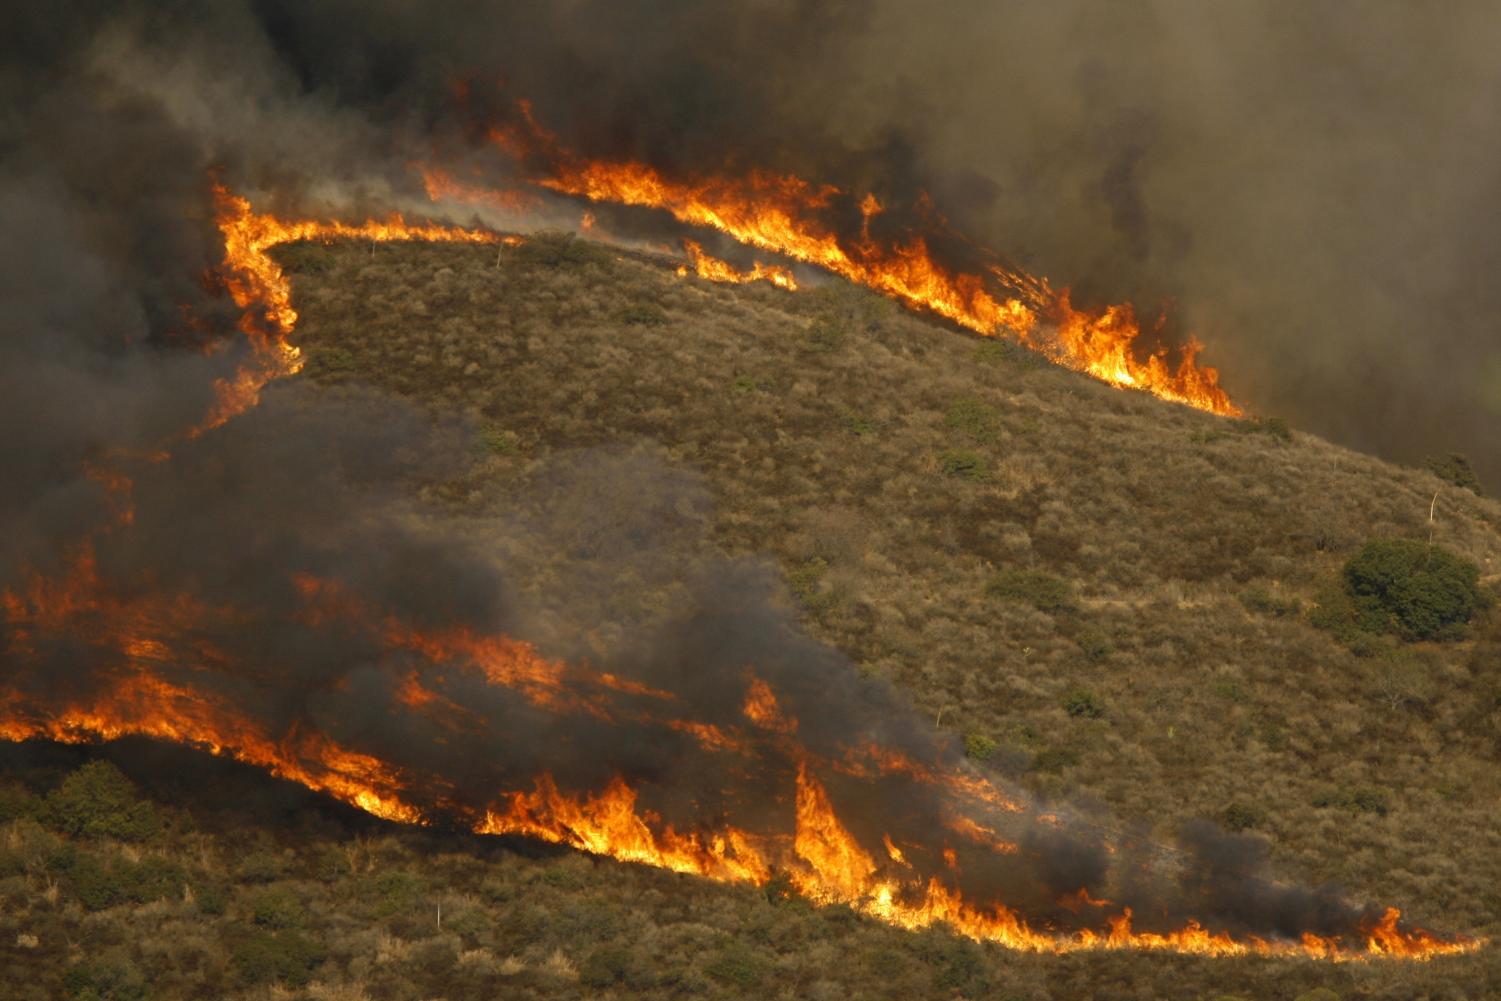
(261, 288)
(787, 215)
(707, 266)
(144, 637)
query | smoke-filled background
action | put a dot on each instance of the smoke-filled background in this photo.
(1312, 189)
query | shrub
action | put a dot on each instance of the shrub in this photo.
(554, 249)
(211, 896)
(1360, 799)
(1095, 646)
(1454, 468)
(287, 956)
(1242, 817)
(613, 964)
(1261, 599)
(1042, 591)
(826, 334)
(261, 866)
(111, 977)
(736, 964)
(98, 800)
(978, 746)
(1053, 760)
(643, 314)
(17, 802)
(99, 886)
(499, 441)
(963, 464)
(1273, 427)
(277, 908)
(331, 361)
(972, 418)
(1416, 590)
(1083, 704)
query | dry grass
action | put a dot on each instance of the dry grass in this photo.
(1000, 538)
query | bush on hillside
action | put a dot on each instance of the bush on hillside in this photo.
(1041, 590)
(1416, 590)
(98, 800)
(1454, 468)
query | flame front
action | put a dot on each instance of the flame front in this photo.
(787, 215)
(166, 671)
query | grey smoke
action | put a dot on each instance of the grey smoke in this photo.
(1315, 204)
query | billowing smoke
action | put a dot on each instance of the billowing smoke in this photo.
(275, 569)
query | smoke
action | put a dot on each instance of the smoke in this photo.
(1240, 169)
(1309, 191)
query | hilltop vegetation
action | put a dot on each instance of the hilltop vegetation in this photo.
(1132, 605)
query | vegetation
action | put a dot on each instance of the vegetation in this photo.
(1452, 467)
(1413, 589)
(1121, 610)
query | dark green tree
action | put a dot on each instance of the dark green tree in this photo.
(1417, 590)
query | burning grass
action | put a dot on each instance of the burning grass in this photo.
(890, 372)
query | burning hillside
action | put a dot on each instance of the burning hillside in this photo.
(379, 665)
(913, 256)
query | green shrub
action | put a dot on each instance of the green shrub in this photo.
(643, 314)
(855, 424)
(1318, 994)
(99, 885)
(613, 964)
(98, 800)
(1052, 760)
(1083, 704)
(277, 907)
(964, 465)
(997, 352)
(1095, 646)
(1454, 468)
(1042, 591)
(1416, 590)
(17, 802)
(1259, 598)
(499, 441)
(331, 361)
(111, 977)
(1242, 817)
(396, 890)
(737, 965)
(825, 334)
(1360, 799)
(288, 957)
(978, 746)
(211, 896)
(261, 866)
(973, 419)
(1273, 427)
(557, 250)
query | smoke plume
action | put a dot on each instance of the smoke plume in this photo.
(1311, 198)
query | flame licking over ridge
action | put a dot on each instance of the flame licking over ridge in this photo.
(707, 266)
(166, 673)
(787, 215)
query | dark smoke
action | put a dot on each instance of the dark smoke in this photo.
(1153, 151)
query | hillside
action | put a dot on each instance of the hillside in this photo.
(1108, 599)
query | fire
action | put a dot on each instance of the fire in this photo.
(787, 215)
(262, 289)
(157, 657)
(152, 693)
(715, 270)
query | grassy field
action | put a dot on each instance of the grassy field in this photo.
(1107, 598)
